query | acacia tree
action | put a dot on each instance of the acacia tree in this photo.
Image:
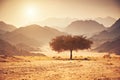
(68, 42)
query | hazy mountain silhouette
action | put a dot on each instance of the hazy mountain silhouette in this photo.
(42, 34)
(107, 35)
(115, 26)
(109, 40)
(27, 38)
(110, 46)
(10, 50)
(57, 22)
(6, 27)
(107, 21)
(7, 49)
(87, 27)
(16, 38)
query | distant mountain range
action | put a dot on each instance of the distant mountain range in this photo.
(107, 21)
(6, 27)
(107, 35)
(30, 37)
(20, 41)
(15, 38)
(108, 40)
(57, 22)
(87, 27)
(110, 46)
(10, 50)
(6, 48)
(63, 22)
(41, 35)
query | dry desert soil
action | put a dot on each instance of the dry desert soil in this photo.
(101, 69)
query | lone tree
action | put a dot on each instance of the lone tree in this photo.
(68, 42)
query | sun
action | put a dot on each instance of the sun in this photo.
(31, 12)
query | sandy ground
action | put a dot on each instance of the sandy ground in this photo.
(105, 69)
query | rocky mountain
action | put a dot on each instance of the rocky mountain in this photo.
(33, 36)
(6, 48)
(41, 34)
(107, 35)
(87, 27)
(107, 21)
(109, 40)
(9, 50)
(115, 27)
(6, 27)
(110, 46)
(20, 41)
(15, 38)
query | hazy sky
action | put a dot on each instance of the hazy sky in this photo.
(21, 12)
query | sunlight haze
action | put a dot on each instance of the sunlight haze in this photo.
(59, 39)
(23, 12)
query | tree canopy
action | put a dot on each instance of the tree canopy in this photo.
(68, 42)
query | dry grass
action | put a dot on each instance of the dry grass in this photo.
(41, 68)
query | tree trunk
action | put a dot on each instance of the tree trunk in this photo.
(70, 54)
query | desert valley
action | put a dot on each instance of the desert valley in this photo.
(66, 43)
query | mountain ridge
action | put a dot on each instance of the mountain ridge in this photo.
(109, 40)
(87, 27)
(6, 27)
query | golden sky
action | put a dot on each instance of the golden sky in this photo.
(22, 12)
